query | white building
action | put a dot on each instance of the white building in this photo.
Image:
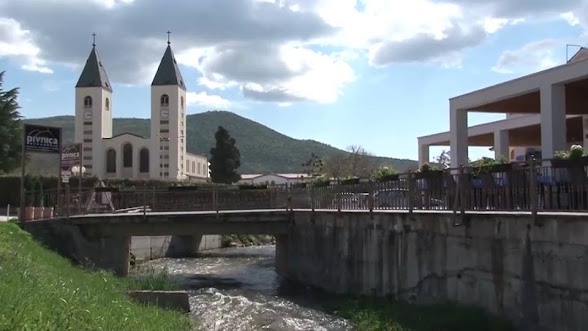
(546, 112)
(273, 179)
(163, 155)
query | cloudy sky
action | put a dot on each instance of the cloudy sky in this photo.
(377, 73)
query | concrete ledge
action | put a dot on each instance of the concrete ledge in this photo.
(164, 299)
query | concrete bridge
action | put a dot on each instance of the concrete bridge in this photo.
(531, 268)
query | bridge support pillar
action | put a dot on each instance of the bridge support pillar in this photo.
(184, 246)
(282, 254)
(111, 253)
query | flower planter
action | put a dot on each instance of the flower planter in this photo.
(428, 174)
(569, 163)
(29, 213)
(38, 213)
(570, 170)
(48, 212)
(506, 167)
(388, 178)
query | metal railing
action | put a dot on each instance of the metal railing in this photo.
(547, 185)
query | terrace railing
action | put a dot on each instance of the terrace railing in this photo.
(545, 185)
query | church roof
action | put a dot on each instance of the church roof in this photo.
(94, 74)
(168, 72)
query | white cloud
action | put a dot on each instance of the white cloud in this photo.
(287, 73)
(531, 57)
(204, 99)
(281, 51)
(17, 43)
(570, 18)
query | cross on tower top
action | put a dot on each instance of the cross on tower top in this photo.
(93, 39)
(168, 33)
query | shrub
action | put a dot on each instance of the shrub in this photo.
(384, 174)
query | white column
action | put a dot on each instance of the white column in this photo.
(423, 154)
(458, 136)
(501, 144)
(553, 120)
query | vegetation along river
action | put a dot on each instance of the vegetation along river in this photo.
(239, 289)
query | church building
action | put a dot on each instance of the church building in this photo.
(163, 155)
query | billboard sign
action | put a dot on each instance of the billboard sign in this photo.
(39, 138)
(71, 155)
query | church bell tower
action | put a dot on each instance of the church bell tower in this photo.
(93, 114)
(168, 120)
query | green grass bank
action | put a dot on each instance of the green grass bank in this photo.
(382, 314)
(40, 290)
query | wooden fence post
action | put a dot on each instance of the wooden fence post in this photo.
(338, 191)
(462, 193)
(410, 191)
(312, 198)
(371, 198)
(289, 200)
(533, 189)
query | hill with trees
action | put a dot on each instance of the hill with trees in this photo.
(263, 150)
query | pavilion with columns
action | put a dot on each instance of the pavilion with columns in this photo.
(546, 111)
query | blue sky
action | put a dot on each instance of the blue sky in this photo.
(371, 73)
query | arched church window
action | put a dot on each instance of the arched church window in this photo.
(128, 155)
(182, 102)
(144, 160)
(111, 161)
(164, 100)
(107, 104)
(88, 102)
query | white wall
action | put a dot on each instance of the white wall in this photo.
(117, 144)
(196, 166)
(176, 134)
(101, 125)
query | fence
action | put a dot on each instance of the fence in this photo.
(547, 185)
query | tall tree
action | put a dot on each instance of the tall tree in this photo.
(225, 159)
(359, 162)
(314, 167)
(444, 159)
(10, 129)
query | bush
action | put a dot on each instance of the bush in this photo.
(575, 152)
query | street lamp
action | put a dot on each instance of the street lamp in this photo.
(79, 171)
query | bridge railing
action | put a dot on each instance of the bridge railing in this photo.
(546, 185)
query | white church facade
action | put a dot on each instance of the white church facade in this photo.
(161, 156)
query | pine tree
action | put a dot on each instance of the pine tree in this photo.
(225, 159)
(10, 129)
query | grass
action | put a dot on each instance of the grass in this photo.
(153, 280)
(40, 290)
(382, 314)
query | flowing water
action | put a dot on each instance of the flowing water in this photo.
(239, 289)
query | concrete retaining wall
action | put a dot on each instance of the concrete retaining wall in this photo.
(154, 247)
(534, 273)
